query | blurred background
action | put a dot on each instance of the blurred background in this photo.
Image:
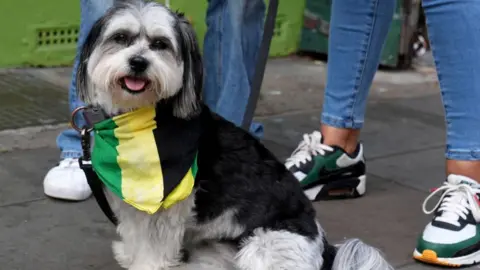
(44, 34)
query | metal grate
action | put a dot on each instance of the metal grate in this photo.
(280, 24)
(57, 36)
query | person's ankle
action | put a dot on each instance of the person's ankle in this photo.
(351, 148)
(347, 139)
(470, 169)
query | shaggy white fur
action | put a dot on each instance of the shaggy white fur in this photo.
(280, 250)
(356, 255)
(150, 242)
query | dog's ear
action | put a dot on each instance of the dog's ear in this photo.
(187, 102)
(82, 80)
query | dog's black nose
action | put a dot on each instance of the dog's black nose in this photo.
(138, 64)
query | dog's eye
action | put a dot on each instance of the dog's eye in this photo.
(120, 38)
(159, 44)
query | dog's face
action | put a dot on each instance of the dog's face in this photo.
(138, 54)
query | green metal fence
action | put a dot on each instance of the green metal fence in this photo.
(44, 33)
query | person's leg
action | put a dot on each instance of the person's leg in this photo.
(330, 162)
(67, 180)
(452, 237)
(234, 34)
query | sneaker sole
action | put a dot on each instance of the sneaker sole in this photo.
(342, 189)
(430, 257)
(65, 194)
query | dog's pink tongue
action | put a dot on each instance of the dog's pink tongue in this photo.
(134, 84)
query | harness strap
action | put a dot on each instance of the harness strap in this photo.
(94, 182)
(98, 192)
(329, 253)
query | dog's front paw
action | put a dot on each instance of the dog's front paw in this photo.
(123, 257)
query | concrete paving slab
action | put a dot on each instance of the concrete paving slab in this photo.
(431, 104)
(420, 170)
(60, 76)
(22, 172)
(387, 111)
(51, 235)
(389, 217)
(389, 134)
(30, 137)
(27, 101)
(391, 129)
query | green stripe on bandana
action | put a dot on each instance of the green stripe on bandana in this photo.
(127, 154)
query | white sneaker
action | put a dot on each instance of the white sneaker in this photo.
(452, 237)
(67, 181)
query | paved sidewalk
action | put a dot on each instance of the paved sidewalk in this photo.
(404, 139)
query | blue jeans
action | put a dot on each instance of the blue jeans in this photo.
(358, 30)
(234, 34)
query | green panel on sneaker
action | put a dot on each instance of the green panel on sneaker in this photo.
(327, 172)
(447, 250)
(327, 163)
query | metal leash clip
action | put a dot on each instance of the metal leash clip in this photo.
(91, 115)
(72, 119)
(85, 137)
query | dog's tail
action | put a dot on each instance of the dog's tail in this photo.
(356, 255)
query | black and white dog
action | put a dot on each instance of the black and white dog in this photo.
(247, 211)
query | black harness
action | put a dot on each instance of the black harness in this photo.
(328, 255)
(92, 116)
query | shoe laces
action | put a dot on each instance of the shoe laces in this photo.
(310, 146)
(69, 163)
(455, 202)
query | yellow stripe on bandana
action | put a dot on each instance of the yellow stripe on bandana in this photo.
(138, 160)
(126, 157)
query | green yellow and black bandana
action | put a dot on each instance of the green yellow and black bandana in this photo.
(148, 160)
